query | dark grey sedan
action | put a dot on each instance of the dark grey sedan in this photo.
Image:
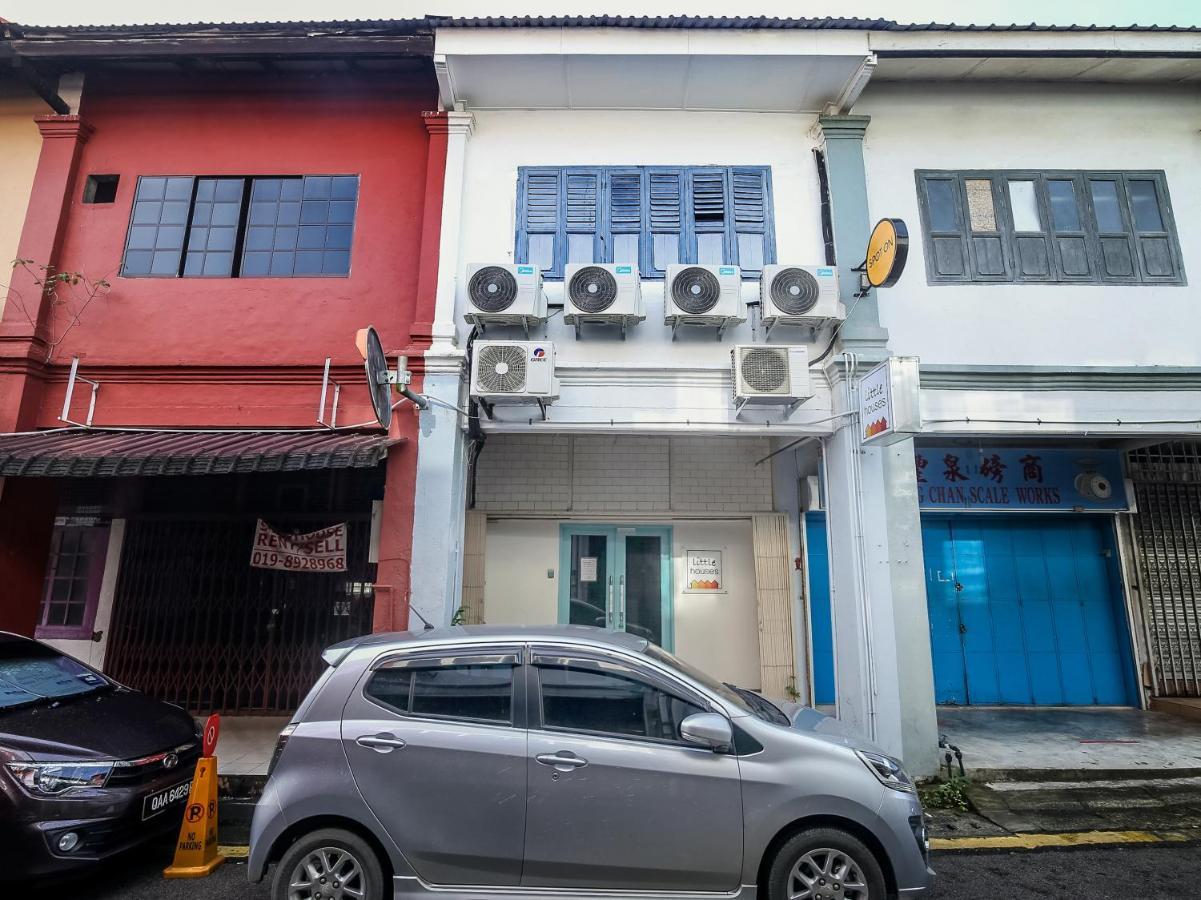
(571, 762)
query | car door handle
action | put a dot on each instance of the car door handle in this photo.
(563, 759)
(380, 743)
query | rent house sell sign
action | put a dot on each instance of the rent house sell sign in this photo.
(316, 551)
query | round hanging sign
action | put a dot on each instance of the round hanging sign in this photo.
(886, 252)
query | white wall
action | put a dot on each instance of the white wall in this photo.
(717, 632)
(670, 380)
(1036, 126)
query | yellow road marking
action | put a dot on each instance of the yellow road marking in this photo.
(234, 851)
(1070, 839)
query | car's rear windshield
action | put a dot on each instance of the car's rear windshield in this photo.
(33, 673)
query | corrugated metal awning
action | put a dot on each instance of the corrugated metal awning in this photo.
(99, 453)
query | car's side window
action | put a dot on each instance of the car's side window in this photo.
(603, 702)
(476, 692)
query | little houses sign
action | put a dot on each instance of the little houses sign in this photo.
(704, 572)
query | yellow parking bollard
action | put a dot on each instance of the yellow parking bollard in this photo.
(196, 851)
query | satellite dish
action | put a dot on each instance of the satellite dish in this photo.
(377, 378)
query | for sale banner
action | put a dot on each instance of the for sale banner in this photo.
(317, 551)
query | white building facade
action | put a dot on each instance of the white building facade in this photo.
(765, 544)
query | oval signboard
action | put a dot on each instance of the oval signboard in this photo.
(887, 250)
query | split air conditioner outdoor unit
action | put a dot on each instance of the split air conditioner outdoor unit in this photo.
(513, 372)
(776, 375)
(505, 294)
(606, 293)
(703, 295)
(799, 295)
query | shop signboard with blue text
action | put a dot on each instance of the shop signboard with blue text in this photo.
(1024, 479)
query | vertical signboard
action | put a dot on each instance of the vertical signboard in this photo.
(889, 402)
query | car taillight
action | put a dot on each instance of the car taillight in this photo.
(279, 746)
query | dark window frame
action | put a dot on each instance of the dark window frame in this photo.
(197, 227)
(510, 659)
(92, 579)
(738, 217)
(585, 663)
(1062, 249)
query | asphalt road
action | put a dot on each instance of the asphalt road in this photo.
(1117, 873)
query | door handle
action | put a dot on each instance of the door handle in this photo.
(609, 605)
(621, 606)
(564, 759)
(380, 743)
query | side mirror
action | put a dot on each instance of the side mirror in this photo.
(709, 730)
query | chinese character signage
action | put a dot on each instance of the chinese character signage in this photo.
(317, 551)
(889, 402)
(1021, 479)
(704, 572)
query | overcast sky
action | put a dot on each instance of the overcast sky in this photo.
(1047, 12)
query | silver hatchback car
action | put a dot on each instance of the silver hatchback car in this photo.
(571, 762)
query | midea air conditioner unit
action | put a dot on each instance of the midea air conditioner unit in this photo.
(513, 372)
(703, 295)
(799, 295)
(505, 294)
(776, 376)
(606, 293)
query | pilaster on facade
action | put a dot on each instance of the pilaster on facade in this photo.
(449, 132)
(843, 139)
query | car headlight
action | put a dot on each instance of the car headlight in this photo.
(55, 779)
(888, 770)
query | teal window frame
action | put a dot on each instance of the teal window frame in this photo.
(616, 565)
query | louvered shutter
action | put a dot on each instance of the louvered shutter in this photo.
(623, 238)
(1150, 216)
(582, 225)
(665, 220)
(752, 214)
(707, 216)
(946, 238)
(539, 226)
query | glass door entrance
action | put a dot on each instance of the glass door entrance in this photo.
(617, 577)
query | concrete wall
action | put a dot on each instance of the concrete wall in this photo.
(20, 145)
(1034, 126)
(626, 474)
(717, 632)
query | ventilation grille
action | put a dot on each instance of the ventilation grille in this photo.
(501, 369)
(492, 289)
(764, 371)
(695, 291)
(593, 289)
(795, 292)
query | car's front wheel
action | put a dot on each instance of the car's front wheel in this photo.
(329, 864)
(825, 864)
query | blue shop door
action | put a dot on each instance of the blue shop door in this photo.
(820, 624)
(1026, 610)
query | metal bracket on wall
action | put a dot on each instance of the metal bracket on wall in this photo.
(326, 381)
(71, 379)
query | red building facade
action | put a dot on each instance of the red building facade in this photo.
(249, 197)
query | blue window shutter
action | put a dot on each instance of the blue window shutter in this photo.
(752, 236)
(583, 239)
(666, 238)
(709, 216)
(540, 238)
(624, 203)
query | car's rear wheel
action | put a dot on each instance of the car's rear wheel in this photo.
(329, 864)
(825, 864)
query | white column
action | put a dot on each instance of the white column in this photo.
(439, 501)
(883, 672)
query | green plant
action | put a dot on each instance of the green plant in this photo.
(946, 795)
(460, 616)
(791, 692)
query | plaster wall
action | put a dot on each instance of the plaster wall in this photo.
(680, 380)
(716, 632)
(1036, 126)
(20, 145)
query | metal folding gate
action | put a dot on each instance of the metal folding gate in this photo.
(1167, 538)
(194, 624)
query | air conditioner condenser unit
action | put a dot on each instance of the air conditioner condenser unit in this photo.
(703, 295)
(604, 293)
(799, 295)
(513, 372)
(770, 375)
(504, 294)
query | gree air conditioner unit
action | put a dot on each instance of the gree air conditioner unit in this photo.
(799, 295)
(505, 294)
(606, 293)
(770, 375)
(703, 295)
(513, 372)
